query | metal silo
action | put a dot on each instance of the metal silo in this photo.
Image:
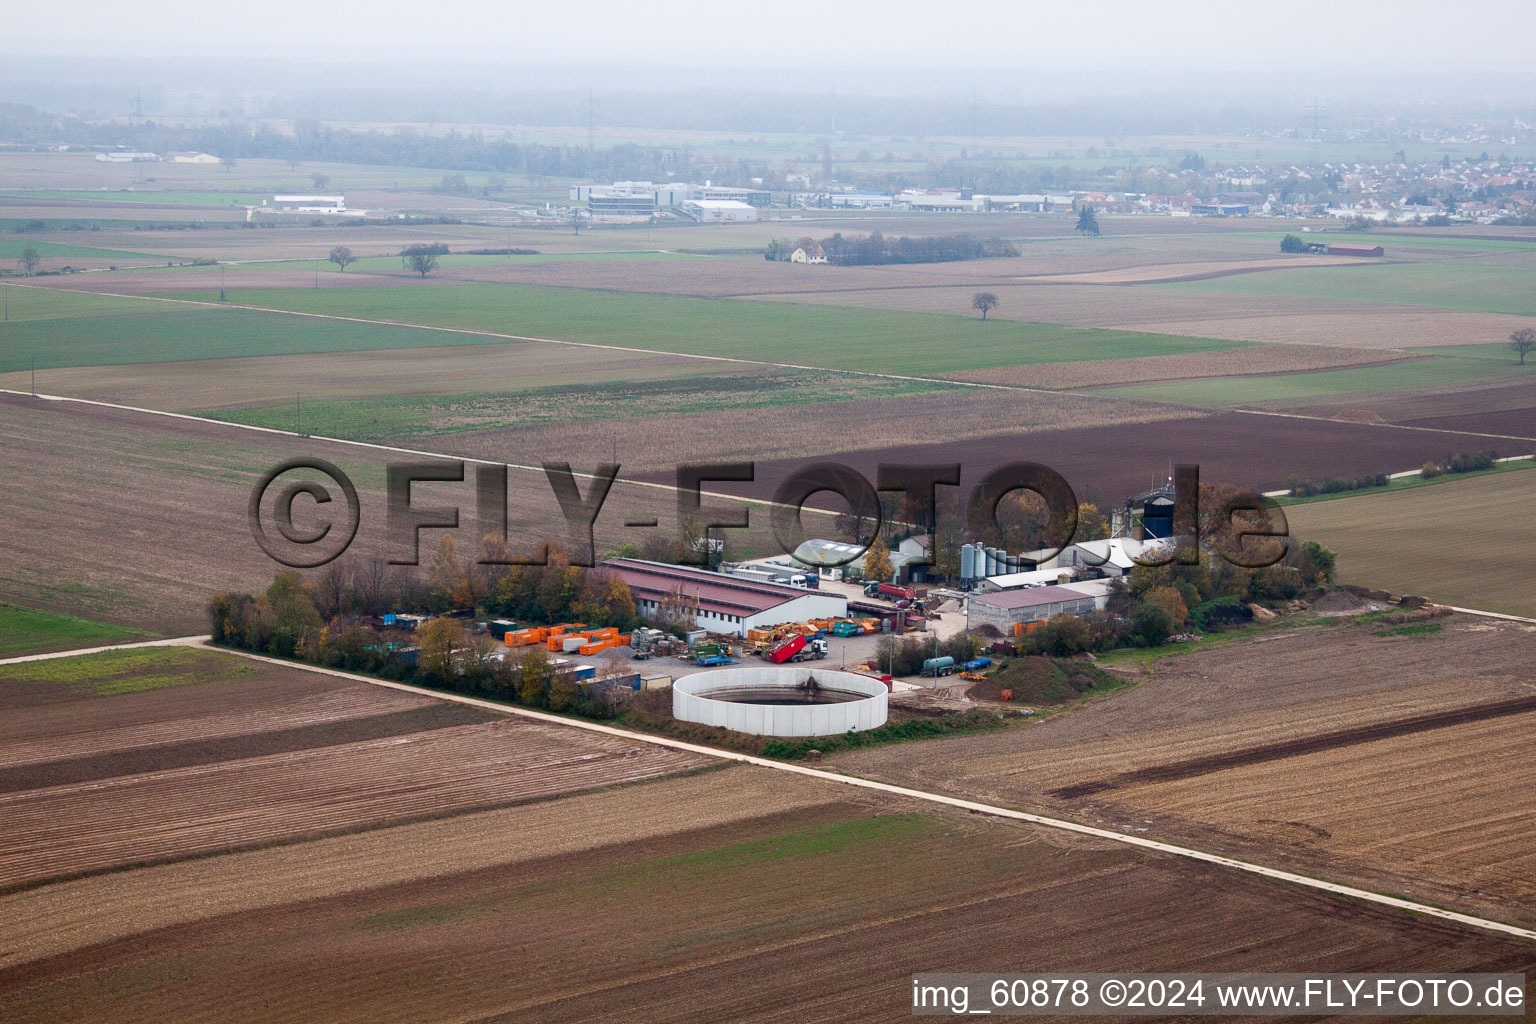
(967, 562)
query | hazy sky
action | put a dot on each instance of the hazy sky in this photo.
(1407, 36)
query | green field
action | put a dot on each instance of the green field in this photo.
(187, 277)
(1416, 373)
(158, 197)
(1493, 351)
(415, 416)
(833, 337)
(111, 673)
(1466, 544)
(30, 631)
(161, 332)
(11, 249)
(1468, 285)
(1405, 482)
(26, 302)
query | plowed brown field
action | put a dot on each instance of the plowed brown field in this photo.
(1106, 464)
(1403, 762)
(359, 882)
(135, 518)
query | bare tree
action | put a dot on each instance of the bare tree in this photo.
(1522, 342)
(985, 302)
(342, 257)
(372, 582)
(30, 261)
(422, 258)
(320, 180)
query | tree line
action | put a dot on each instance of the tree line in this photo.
(329, 621)
(876, 249)
(310, 140)
(1151, 604)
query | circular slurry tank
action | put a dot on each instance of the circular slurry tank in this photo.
(781, 700)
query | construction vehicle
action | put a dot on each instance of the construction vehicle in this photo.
(703, 653)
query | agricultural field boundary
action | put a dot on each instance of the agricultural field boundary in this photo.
(1356, 423)
(936, 798)
(1405, 474)
(653, 485)
(738, 360)
(600, 346)
(174, 641)
(1493, 615)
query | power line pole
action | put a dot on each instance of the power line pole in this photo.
(298, 426)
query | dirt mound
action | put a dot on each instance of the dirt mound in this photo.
(1341, 602)
(1040, 680)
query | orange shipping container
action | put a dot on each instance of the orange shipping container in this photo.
(556, 641)
(525, 637)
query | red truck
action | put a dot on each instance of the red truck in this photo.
(797, 648)
(894, 591)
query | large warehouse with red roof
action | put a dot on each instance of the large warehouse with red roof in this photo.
(722, 604)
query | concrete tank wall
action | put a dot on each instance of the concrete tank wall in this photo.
(869, 712)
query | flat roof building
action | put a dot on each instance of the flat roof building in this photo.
(1005, 609)
(310, 204)
(721, 211)
(1029, 578)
